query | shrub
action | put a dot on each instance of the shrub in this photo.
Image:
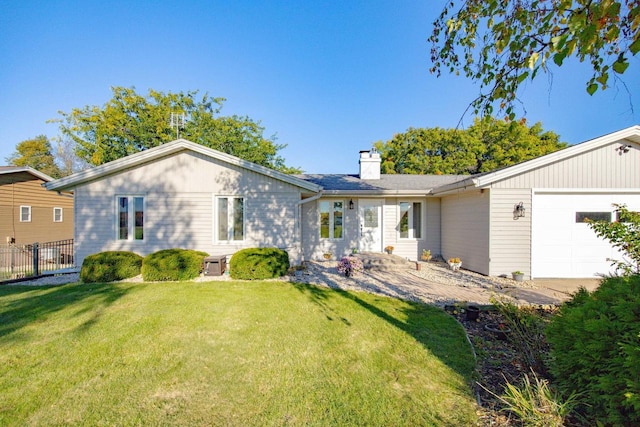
(259, 263)
(110, 266)
(536, 404)
(350, 265)
(595, 342)
(172, 264)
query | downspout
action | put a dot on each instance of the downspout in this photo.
(299, 215)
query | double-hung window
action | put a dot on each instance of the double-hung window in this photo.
(25, 213)
(130, 217)
(410, 220)
(57, 214)
(229, 218)
(331, 215)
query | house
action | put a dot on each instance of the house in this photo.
(527, 217)
(28, 212)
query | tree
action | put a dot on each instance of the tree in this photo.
(36, 153)
(487, 145)
(129, 123)
(66, 158)
(502, 43)
(624, 234)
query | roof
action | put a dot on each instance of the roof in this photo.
(630, 134)
(27, 169)
(164, 150)
(387, 184)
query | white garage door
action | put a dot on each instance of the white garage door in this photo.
(563, 245)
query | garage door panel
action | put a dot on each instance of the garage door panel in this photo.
(562, 247)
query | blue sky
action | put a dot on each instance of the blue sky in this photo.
(328, 78)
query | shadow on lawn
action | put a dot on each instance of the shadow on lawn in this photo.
(21, 306)
(430, 326)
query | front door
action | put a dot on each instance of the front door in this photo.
(370, 218)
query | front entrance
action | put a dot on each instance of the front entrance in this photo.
(370, 218)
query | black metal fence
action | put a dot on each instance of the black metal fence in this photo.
(36, 259)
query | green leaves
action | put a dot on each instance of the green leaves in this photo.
(487, 145)
(500, 40)
(129, 123)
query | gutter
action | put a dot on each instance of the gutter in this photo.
(454, 187)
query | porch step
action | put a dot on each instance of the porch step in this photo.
(384, 262)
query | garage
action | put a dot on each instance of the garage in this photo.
(563, 245)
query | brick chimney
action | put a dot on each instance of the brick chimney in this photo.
(370, 164)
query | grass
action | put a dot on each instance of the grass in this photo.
(228, 353)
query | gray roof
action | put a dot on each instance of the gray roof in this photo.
(387, 184)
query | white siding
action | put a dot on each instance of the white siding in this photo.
(510, 237)
(465, 229)
(600, 168)
(313, 246)
(179, 206)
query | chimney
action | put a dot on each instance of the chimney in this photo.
(370, 164)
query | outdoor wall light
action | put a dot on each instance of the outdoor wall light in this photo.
(351, 204)
(518, 210)
(623, 149)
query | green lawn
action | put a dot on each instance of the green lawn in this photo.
(228, 353)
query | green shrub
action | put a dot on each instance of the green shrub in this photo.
(259, 263)
(172, 265)
(110, 266)
(595, 341)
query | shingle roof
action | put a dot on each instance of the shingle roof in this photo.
(392, 183)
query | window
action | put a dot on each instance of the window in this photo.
(593, 216)
(57, 214)
(230, 219)
(331, 215)
(410, 220)
(25, 213)
(130, 218)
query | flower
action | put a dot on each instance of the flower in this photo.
(389, 248)
(350, 265)
(455, 260)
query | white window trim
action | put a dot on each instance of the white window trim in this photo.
(28, 215)
(331, 219)
(230, 213)
(411, 229)
(61, 214)
(132, 218)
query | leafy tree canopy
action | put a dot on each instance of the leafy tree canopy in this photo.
(36, 153)
(130, 122)
(486, 145)
(502, 43)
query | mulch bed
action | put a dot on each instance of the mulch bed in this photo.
(498, 363)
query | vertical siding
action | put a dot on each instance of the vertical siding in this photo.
(23, 189)
(510, 238)
(465, 229)
(179, 196)
(599, 168)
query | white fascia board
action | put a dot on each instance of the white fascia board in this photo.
(165, 150)
(358, 193)
(631, 134)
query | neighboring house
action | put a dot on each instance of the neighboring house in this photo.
(28, 212)
(527, 217)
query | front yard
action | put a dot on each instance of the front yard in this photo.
(228, 353)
